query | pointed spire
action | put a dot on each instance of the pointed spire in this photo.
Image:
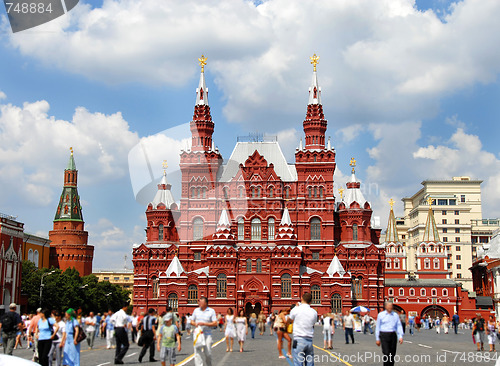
(335, 267)
(285, 228)
(431, 233)
(285, 219)
(301, 146)
(391, 235)
(202, 90)
(223, 231)
(315, 122)
(329, 143)
(71, 162)
(202, 126)
(164, 196)
(175, 267)
(353, 191)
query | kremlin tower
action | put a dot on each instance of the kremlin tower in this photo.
(68, 247)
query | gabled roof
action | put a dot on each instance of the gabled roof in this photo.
(175, 267)
(335, 267)
(270, 150)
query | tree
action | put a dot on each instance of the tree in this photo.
(63, 290)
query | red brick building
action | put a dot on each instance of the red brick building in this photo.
(68, 247)
(423, 287)
(11, 242)
(255, 231)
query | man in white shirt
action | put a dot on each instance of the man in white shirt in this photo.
(205, 318)
(348, 325)
(120, 320)
(304, 317)
(90, 327)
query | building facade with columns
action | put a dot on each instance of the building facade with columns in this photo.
(11, 257)
(255, 231)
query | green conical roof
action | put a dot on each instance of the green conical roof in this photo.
(71, 162)
(69, 208)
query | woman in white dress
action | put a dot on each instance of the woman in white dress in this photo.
(241, 328)
(230, 330)
(328, 330)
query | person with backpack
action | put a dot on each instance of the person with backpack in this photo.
(45, 333)
(70, 340)
(166, 341)
(10, 323)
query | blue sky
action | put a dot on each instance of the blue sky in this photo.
(409, 89)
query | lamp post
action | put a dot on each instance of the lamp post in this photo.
(41, 284)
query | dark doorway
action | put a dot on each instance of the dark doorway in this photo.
(253, 308)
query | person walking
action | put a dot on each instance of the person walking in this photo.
(261, 323)
(253, 323)
(109, 330)
(148, 335)
(90, 329)
(411, 324)
(57, 346)
(71, 355)
(46, 332)
(455, 321)
(280, 325)
(167, 336)
(241, 328)
(270, 322)
(120, 321)
(387, 332)
(367, 324)
(230, 330)
(10, 323)
(304, 317)
(491, 331)
(446, 324)
(135, 325)
(402, 317)
(478, 331)
(437, 324)
(204, 318)
(328, 331)
(348, 325)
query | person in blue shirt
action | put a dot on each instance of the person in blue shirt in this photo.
(45, 333)
(387, 333)
(110, 331)
(455, 320)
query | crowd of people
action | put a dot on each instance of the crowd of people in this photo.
(56, 338)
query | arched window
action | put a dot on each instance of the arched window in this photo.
(286, 286)
(204, 192)
(315, 192)
(193, 192)
(35, 257)
(198, 229)
(315, 228)
(436, 263)
(221, 285)
(249, 265)
(240, 192)
(422, 292)
(258, 267)
(225, 191)
(256, 229)
(396, 263)
(445, 292)
(258, 192)
(160, 232)
(173, 301)
(336, 303)
(287, 192)
(192, 294)
(321, 192)
(427, 263)
(241, 229)
(390, 292)
(388, 263)
(433, 292)
(412, 292)
(156, 287)
(271, 192)
(355, 232)
(270, 228)
(30, 255)
(316, 294)
(401, 291)
(309, 191)
(254, 192)
(357, 287)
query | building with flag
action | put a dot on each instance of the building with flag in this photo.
(255, 231)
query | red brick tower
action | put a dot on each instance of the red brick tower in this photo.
(68, 247)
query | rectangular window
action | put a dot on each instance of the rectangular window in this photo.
(444, 212)
(270, 229)
(462, 198)
(457, 248)
(457, 230)
(448, 247)
(445, 239)
(452, 202)
(457, 212)
(106, 278)
(457, 239)
(457, 222)
(442, 202)
(444, 222)
(197, 256)
(459, 257)
(459, 275)
(459, 266)
(126, 278)
(116, 278)
(315, 255)
(403, 236)
(445, 230)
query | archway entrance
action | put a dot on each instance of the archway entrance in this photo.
(399, 309)
(253, 308)
(434, 311)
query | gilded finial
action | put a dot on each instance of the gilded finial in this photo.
(203, 61)
(429, 201)
(341, 192)
(164, 164)
(71, 149)
(352, 164)
(314, 61)
(391, 202)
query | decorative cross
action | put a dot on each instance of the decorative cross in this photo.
(314, 61)
(341, 191)
(352, 164)
(203, 61)
(391, 202)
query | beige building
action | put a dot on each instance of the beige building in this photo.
(122, 277)
(457, 210)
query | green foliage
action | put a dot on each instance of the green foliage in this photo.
(63, 290)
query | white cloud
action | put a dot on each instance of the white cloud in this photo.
(34, 150)
(2, 95)
(380, 60)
